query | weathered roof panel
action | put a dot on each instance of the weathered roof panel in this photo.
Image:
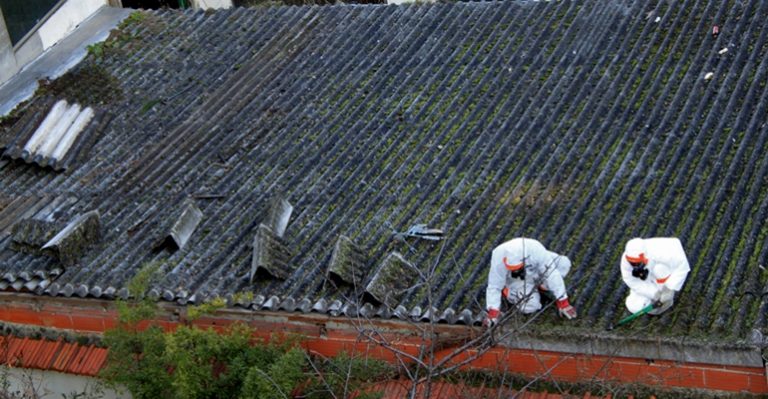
(582, 124)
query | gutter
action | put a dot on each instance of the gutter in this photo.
(663, 364)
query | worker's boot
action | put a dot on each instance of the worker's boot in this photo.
(664, 307)
(546, 295)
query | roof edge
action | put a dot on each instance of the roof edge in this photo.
(600, 359)
(671, 349)
(88, 315)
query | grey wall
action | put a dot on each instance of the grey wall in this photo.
(7, 60)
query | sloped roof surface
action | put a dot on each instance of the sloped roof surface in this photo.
(581, 124)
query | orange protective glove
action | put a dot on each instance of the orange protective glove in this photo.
(564, 309)
(492, 319)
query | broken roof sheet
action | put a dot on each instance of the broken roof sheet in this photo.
(582, 124)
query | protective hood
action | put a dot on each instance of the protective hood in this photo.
(635, 251)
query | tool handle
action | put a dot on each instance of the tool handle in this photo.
(636, 314)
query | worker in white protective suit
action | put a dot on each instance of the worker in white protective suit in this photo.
(520, 269)
(654, 269)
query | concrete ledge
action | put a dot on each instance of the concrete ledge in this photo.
(672, 349)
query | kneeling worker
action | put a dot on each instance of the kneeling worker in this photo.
(520, 268)
(653, 269)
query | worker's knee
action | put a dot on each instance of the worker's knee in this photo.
(564, 265)
(636, 303)
(529, 308)
(531, 304)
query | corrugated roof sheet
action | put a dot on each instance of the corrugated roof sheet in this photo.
(61, 356)
(47, 141)
(582, 124)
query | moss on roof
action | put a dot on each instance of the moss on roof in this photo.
(581, 124)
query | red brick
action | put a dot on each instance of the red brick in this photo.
(56, 320)
(726, 381)
(22, 317)
(758, 383)
(81, 323)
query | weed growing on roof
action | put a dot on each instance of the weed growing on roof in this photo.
(208, 308)
(148, 105)
(88, 84)
(114, 44)
(140, 307)
(242, 297)
(8, 121)
(137, 28)
(135, 17)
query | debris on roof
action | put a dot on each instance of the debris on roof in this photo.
(279, 215)
(182, 228)
(20, 208)
(56, 134)
(423, 232)
(29, 235)
(270, 255)
(392, 280)
(347, 263)
(583, 108)
(53, 133)
(70, 243)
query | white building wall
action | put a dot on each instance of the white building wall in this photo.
(66, 19)
(54, 385)
(211, 4)
(7, 59)
(60, 24)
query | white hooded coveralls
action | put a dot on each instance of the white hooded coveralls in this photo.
(542, 267)
(659, 251)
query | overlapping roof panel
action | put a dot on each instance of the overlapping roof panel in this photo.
(582, 124)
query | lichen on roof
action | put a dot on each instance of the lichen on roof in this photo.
(582, 124)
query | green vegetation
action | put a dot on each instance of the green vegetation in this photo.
(192, 362)
(135, 17)
(88, 84)
(196, 311)
(116, 40)
(148, 105)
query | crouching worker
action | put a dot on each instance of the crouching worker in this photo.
(521, 270)
(654, 269)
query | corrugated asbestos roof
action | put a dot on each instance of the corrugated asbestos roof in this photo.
(582, 124)
(55, 135)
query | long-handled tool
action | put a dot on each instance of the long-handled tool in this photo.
(635, 315)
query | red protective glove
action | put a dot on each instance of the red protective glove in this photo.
(565, 309)
(492, 319)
